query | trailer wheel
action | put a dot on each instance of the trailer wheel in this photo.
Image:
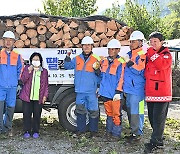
(66, 112)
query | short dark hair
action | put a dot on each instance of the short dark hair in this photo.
(156, 35)
(36, 54)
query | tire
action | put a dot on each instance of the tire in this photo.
(66, 112)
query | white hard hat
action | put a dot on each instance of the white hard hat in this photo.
(9, 34)
(137, 35)
(114, 44)
(87, 40)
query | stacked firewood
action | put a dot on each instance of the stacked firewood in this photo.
(41, 31)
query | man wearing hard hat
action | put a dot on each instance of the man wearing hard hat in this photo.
(112, 71)
(133, 87)
(86, 81)
(10, 69)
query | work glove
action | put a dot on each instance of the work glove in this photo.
(117, 97)
(96, 65)
(126, 58)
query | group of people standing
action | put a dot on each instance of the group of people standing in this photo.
(138, 77)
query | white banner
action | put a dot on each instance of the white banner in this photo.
(53, 61)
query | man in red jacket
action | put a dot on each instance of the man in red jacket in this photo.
(158, 88)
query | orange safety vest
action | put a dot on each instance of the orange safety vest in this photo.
(113, 69)
(13, 57)
(88, 67)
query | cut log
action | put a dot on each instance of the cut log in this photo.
(20, 29)
(125, 29)
(110, 33)
(58, 42)
(34, 41)
(66, 36)
(94, 37)
(31, 33)
(42, 45)
(23, 37)
(80, 35)
(125, 43)
(73, 33)
(66, 28)
(19, 44)
(104, 42)
(53, 24)
(112, 25)
(42, 22)
(57, 36)
(82, 27)
(87, 33)
(27, 42)
(91, 24)
(121, 33)
(30, 25)
(48, 24)
(73, 25)
(9, 23)
(100, 26)
(120, 38)
(41, 29)
(75, 40)
(96, 44)
(25, 21)
(50, 44)
(102, 36)
(53, 30)
(68, 44)
(16, 22)
(32, 46)
(41, 38)
(59, 24)
(48, 34)
(118, 25)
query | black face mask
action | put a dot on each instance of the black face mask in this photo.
(86, 56)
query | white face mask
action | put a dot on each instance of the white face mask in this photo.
(36, 63)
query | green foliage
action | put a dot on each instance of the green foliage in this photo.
(172, 21)
(69, 8)
(139, 18)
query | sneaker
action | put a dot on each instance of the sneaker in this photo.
(36, 135)
(27, 135)
(150, 147)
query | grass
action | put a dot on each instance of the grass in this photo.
(53, 132)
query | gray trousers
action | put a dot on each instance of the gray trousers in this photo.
(6, 117)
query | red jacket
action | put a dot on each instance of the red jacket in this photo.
(158, 74)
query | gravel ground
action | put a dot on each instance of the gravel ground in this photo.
(55, 140)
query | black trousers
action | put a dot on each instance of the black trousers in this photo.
(157, 113)
(32, 124)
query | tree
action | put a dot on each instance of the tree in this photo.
(69, 8)
(138, 17)
(172, 21)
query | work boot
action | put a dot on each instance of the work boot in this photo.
(150, 147)
(133, 138)
(93, 135)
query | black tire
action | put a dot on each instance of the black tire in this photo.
(66, 112)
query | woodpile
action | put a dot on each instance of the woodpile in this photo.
(41, 31)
